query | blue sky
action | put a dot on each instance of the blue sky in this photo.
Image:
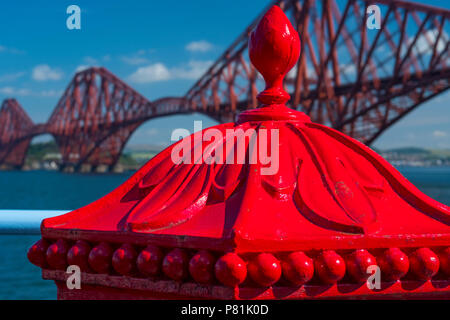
(175, 40)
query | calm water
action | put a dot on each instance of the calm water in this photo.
(19, 279)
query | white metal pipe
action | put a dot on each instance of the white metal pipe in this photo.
(25, 221)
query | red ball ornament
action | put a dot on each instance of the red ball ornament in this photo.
(357, 263)
(175, 264)
(201, 267)
(37, 253)
(394, 264)
(265, 269)
(57, 253)
(424, 263)
(78, 255)
(100, 258)
(444, 259)
(149, 261)
(330, 267)
(230, 269)
(124, 259)
(298, 268)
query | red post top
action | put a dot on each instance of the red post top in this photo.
(274, 48)
(305, 217)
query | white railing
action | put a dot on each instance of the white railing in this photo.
(25, 221)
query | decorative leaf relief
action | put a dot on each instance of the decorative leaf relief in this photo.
(158, 197)
(282, 184)
(230, 174)
(330, 193)
(227, 179)
(157, 173)
(318, 205)
(188, 200)
(401, 186)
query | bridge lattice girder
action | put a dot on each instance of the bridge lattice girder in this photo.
(15, 125)
(357, 80)
(97, 114)
(352, 78)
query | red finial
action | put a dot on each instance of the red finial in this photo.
(274, 48)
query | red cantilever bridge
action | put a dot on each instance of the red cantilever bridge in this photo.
(352, 78)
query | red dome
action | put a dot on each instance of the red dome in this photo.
(328, 187)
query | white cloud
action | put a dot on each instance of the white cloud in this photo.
(426, 40)
(199, 46)
(81, 68)
(135, 60)
(11, 50)
(145, 51)
(159, 72)
(51, 93)
(21, 92)
(11, 76)
(138, 57)
(439, 134)
(310, 73)
(152, 73)
(90, 60)
(193, 70)
(10, 91)
(350, 69)
(43, 72)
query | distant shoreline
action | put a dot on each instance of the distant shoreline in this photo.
(46, 156)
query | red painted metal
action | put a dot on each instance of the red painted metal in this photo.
(230, 269)
(355, 80)
(357, 263)
(78, 255)
(149, 261)
(228, 230)
(298, 268)
(201, 267)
